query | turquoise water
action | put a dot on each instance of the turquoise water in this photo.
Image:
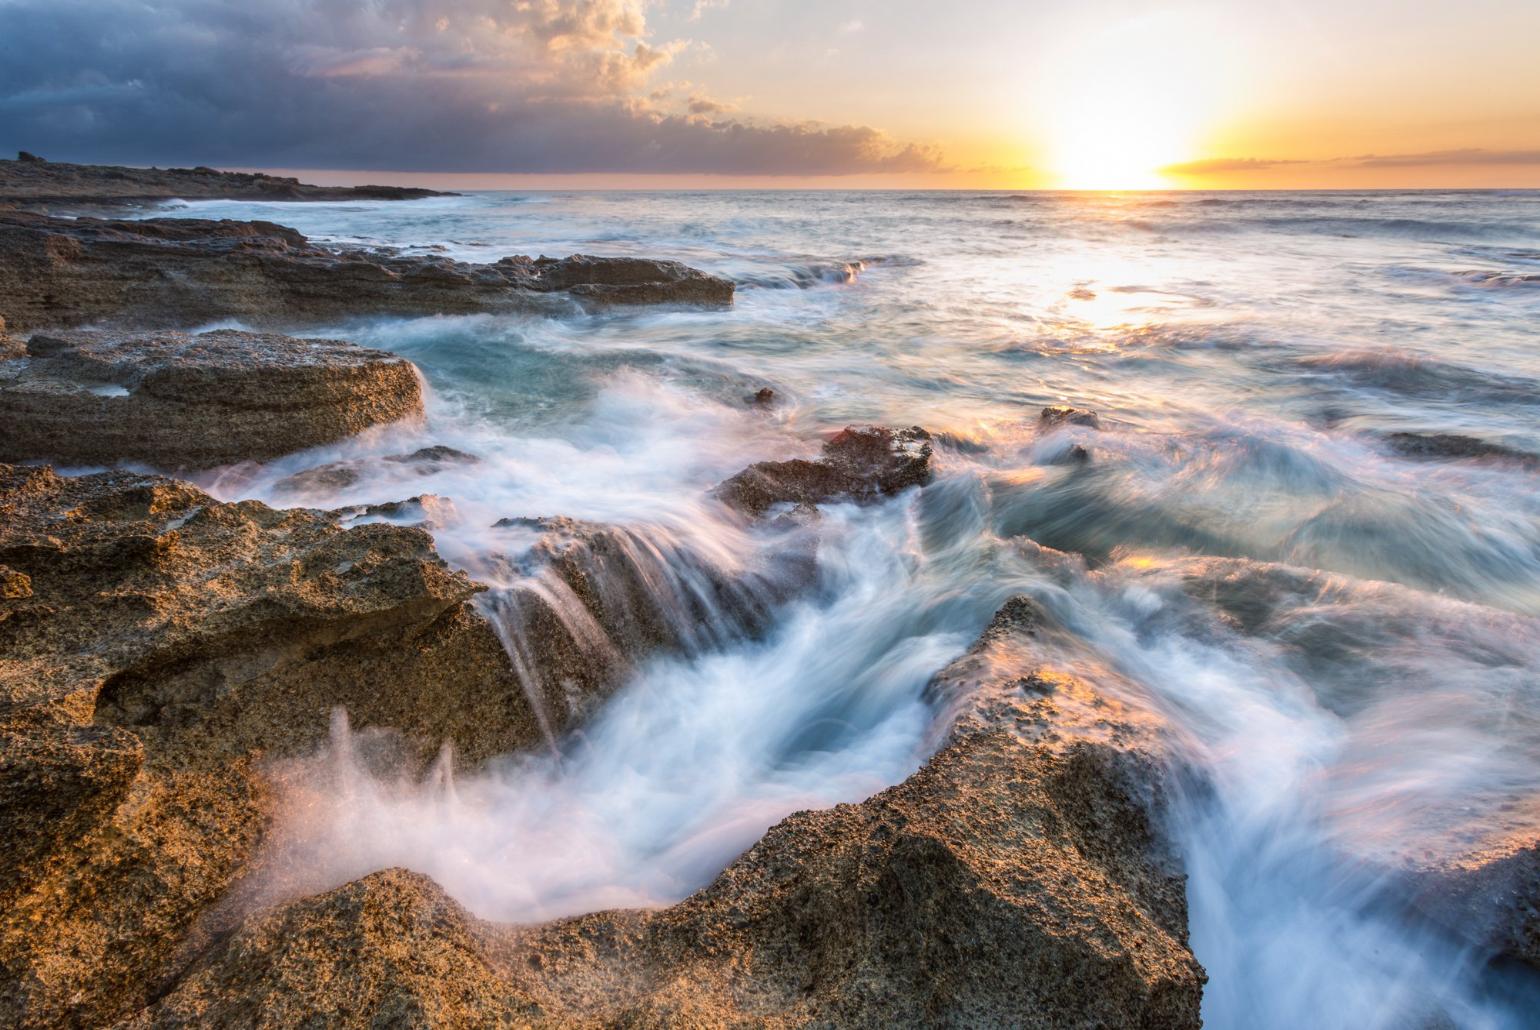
(1342, 638)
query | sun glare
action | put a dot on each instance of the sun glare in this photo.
(1127, 102)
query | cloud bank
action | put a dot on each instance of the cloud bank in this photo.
(524, 86)
(1468, 157)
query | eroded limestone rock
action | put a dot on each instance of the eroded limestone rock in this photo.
(179, 400)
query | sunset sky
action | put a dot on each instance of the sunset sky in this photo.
(1296, 93)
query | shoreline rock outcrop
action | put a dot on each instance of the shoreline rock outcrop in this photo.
(1016, 879)
(176, 400)
(155, 647)
(31, 180)
(180, 272)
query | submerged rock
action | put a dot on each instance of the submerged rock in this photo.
(860, 463)
(335, 476)
(189, 271)
(178, 400)
(1064, 415)
(165, 642)
(1015, 880)
(1455, 445)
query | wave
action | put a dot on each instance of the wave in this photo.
(1416, 375)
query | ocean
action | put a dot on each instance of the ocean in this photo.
(1340, 630)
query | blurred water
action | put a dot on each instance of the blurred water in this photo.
(1343, 638)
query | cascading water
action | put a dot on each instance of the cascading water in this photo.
(1339, 633)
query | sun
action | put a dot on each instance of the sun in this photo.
(1127, 102)
(1119, 143)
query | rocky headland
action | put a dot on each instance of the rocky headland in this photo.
(32, 181)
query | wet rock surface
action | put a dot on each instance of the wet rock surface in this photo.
(166, 644)
(1489, 897)
(32, 180)
(339, 475)
(589, 600)
(1456, 446)
(1065, 415)
(178, 400)
(180, 272)
(1014, 880)
(860, 463)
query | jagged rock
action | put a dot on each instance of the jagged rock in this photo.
(30, 179)
(764, 397)
(1064, 415)
(208, 635)
(860, 463)
(1015, 880)
(177, 400)
(187, 271)
(1454, 445)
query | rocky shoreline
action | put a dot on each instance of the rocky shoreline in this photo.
(162, 652)
(32, 181)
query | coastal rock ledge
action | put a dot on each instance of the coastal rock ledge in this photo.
(175, 400)
(156, 272)
(156, 647)
(1016, 880)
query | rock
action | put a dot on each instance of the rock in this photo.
(1454, 445)
(14, 585)
(764, 397)
(430, 458)
(169, 642)
(1489, 897)
(1064, 415)
(163, 272)
(391, 948)
(30, 179)
(177, 400)
(429, 511)
(589, 600)
(59, 782)
(10, 346)
(860, 463)
(1015, 880)
(335, 476)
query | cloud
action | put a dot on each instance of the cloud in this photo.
(1469, 157)
(1218, 165)
(412, 85)
(702, 6)
(706, 105)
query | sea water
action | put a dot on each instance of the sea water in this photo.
(1343, 640)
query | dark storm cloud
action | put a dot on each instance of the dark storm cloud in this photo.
(415, 85)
